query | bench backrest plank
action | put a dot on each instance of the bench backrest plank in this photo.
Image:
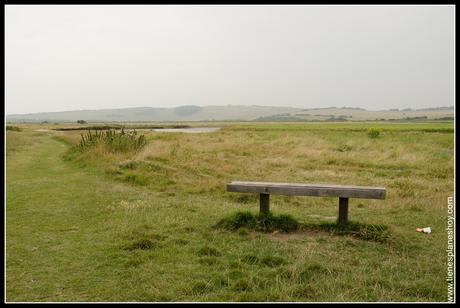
(316, 190)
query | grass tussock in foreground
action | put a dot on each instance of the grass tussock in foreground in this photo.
(112, 141)
(243, 221)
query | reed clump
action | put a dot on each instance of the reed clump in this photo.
(113, 141)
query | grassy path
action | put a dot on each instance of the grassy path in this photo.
(56, 236)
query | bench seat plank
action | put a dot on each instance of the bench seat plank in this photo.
(316, 190)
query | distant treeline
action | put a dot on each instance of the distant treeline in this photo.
(340, 118)
(421, 118)
(13, 128)
(392, 109)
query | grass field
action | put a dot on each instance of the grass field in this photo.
(97, 225)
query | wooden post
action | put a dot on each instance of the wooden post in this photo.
(264, 203)
(343, 210)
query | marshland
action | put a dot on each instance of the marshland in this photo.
(132, 215)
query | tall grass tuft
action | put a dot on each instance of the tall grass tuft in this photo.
(373, 133)
(112, 141)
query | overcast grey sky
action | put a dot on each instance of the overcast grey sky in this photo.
(94, 57)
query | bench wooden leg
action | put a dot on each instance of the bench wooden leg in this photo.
(264, 203)
(343, 210)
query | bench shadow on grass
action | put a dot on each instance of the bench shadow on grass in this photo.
(242, 221)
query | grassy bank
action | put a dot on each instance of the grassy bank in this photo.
(140, 225)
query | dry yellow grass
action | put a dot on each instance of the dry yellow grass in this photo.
(410, 164)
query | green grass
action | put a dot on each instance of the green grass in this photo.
(245, 221)
(141, 226)
(369, 232)
(262, 222)
(443, 127)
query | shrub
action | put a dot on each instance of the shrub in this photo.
(81, 122)
(13, 128)
(112, 141)
(373, 133)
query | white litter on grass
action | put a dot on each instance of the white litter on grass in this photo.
(426, 230)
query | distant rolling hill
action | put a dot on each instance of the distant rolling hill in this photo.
(360, 114)
(232, 113)
(182, 113)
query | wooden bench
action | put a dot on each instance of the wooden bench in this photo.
(343, 192)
